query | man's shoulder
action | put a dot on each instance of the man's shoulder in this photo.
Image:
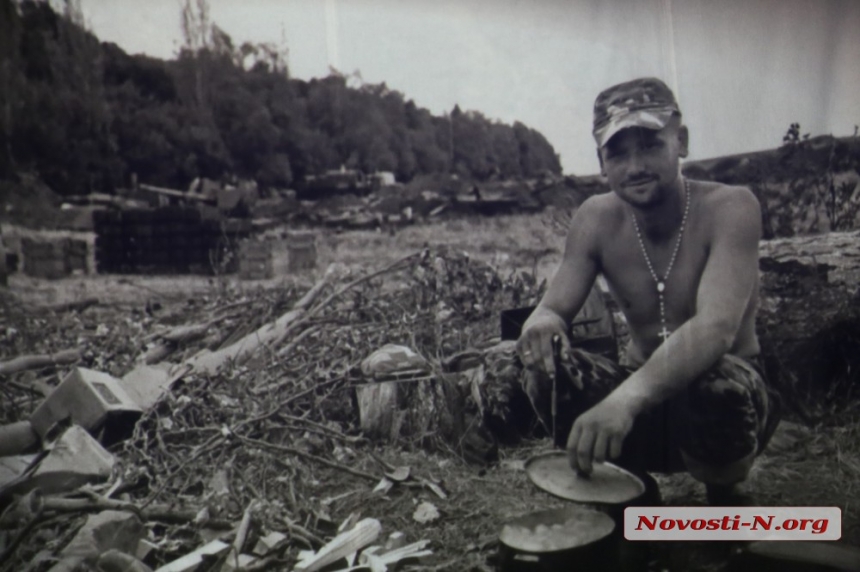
(604, 205)
(596, 218)
(599, 214)
(731, 207)
(716, 195)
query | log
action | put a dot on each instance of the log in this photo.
(188, 333)
(157, 353)
(344, 544)
(76, 306)
(17, 438)
(380, 562)
(378, 409)
(208, 362)
(24, 363)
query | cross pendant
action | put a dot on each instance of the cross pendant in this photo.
(664, 333)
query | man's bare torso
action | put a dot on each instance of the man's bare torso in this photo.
(621, 261)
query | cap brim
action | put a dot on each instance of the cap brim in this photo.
(655, 119)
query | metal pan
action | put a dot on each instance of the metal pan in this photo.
(568, 538)
(609, 489)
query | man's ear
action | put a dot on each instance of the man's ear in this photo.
(684, 141)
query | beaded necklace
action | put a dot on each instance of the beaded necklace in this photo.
(661, 282)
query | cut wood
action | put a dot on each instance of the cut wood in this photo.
(381, 562)
(76, 306)
(208, 363)
(17, 438)
(269, 543)
(188, 333)
(158, 353)
(242, 533)
(377, 410)
(24, 363)
(341, 546)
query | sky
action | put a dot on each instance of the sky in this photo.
(742, 70)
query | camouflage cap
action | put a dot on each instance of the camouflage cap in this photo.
(644, 102)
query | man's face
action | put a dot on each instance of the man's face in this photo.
(641, 164)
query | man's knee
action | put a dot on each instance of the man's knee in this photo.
(727, 473)
(726, 412)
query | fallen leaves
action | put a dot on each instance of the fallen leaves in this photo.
(425, 512)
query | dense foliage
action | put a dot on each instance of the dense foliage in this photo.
(85, 115)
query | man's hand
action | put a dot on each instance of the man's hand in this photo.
(598, 434)
(535, 346)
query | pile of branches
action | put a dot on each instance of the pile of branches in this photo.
(261, 437)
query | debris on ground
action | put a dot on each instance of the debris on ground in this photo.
(230, 426)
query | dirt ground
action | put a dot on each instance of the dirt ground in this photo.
(805, 466)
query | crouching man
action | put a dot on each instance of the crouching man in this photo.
(680, 258)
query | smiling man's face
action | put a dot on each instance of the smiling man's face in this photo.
(642, 164)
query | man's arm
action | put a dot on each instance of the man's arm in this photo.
(567, 291)
(725, 289)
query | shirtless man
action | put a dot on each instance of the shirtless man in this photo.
(680, 257)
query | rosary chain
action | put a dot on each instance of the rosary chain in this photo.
(661, 282)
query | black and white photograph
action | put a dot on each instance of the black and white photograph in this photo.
(414, 286)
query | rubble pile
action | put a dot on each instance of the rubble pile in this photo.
(217, 433)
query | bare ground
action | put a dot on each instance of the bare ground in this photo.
(806, 466)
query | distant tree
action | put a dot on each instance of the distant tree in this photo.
(505, 150)
(536, 154)
(196, 34)
(86, 115)
(792, 136)
(11, 79)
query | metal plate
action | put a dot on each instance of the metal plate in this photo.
(556, 529)
(607, 484)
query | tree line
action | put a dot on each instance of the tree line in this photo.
(85, 115)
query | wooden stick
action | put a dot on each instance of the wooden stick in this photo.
(362, 534)
(309, 457)
(160, 513)
(242, 532)
(79, 305)
(24, 363)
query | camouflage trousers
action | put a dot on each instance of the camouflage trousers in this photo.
(723, 416)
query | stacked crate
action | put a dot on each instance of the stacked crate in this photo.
(46, 258)
(4, 267)
(77, 253)
(255, 260)
(167, 240)
(301, 251)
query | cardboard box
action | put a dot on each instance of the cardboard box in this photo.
(75, 460)
(93, 400)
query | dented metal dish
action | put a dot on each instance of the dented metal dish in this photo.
(607, 484)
